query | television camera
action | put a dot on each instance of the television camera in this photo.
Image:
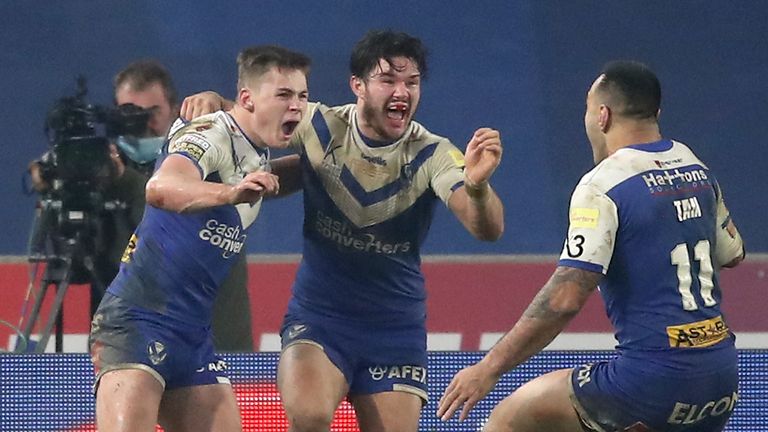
(76, 172)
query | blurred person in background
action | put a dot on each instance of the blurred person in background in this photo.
(148, 85)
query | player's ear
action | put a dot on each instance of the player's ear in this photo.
(244, 97)
(604, 119)
(357, 85)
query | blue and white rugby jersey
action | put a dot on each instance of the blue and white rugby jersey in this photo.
(647, 218)
(175, 262)
(367, 210)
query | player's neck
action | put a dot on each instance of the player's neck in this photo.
(632, 133)
(367, 131)
(240, 116)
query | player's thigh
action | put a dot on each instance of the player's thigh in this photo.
(127, 400)
(541, 405)
(309, 383)
(394, 411)
(200, 408)
(231, 321)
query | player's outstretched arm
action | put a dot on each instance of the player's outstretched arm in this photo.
(476, 204)
(177, 186)
(203, 103)
(551, 310)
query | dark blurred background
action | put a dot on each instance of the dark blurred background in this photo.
(522, 67)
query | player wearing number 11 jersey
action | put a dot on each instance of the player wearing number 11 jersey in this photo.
(649, 225)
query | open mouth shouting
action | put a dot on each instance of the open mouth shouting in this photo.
(397, 112)
(288, 127)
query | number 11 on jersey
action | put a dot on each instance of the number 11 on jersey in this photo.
(681, 259)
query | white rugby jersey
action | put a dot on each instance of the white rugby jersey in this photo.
(367, 209)
(175, 262)
(647, 218)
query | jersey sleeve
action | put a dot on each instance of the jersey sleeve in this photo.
(447, 170)
(202, 145)
(593, 223)
(729, 244)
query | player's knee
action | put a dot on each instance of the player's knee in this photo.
(493, 425)
(517, 421)
(311, 419)
(116, 417)
(506, 417)
(536, 406)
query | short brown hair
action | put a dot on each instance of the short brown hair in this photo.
(143, 73)
(255, 61)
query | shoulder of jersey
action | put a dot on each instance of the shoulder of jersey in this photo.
(612, 170)
(629, 162)
(197, 136)
(207, 125)
(333, 116)
(341, 113)
(683, 148)
(419, 132)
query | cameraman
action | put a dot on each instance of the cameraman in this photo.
(148, 85)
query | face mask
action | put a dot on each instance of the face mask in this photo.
(140, 150)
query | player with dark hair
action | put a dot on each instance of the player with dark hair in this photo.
(151, 340)
(356, 322)
(648, 225)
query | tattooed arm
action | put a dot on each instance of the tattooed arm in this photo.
(551, 310)
(554, 306)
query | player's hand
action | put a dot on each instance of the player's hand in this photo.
(482, 156)
(200, 104)
(253, 187)
(467, 388)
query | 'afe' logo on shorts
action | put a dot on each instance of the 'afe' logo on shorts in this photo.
(377, 372)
